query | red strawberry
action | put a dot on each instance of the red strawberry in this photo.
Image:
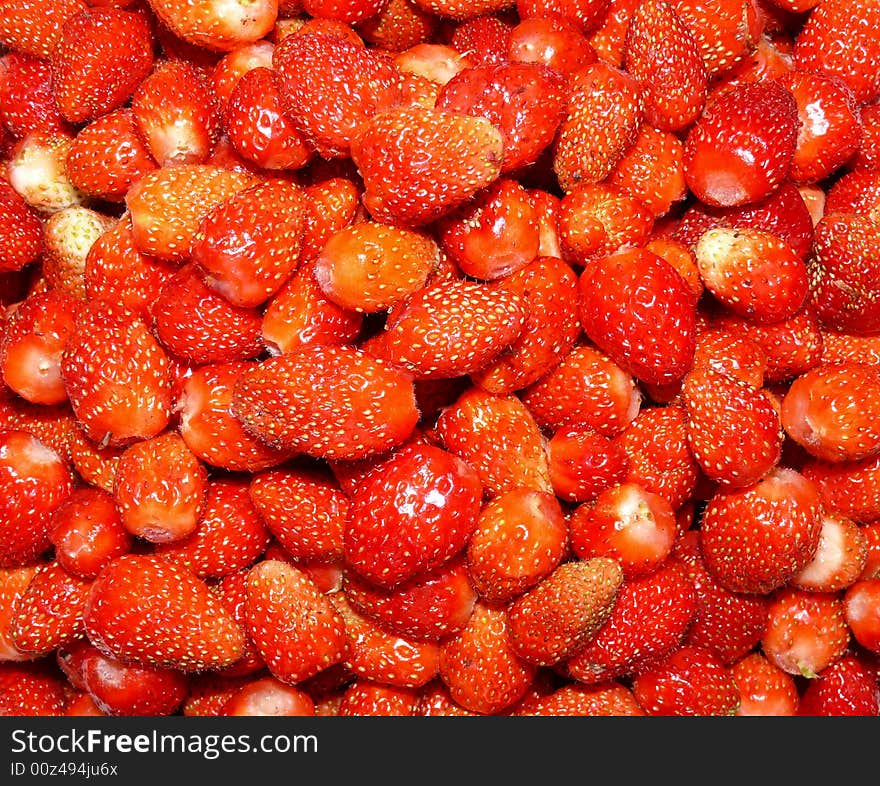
(130, 690)
(806, 631)
(855, 192)
(27, 102)
(400, 24)
(585, 388)
(34, 26)
(176, 114)
(21, 232)
(232, 66)
(410, 340)
(754, 273)
(725, 30)
(34, 480)
(209, 428)
(37, 171)
(13, 583)
(208, 693)
(691, 681)
(733, 353)
(840, 559)
(295, 628)
(55, 426)
(640, 311)
(521, 537)
(754, 539)
(159, 488)
(266, 696)
(847, 688)
(168, 204)
(861, 612)
(418, 164)
(586, 14)
(146, 611)
(648, 621)
(627, 523)
(841, 40)
(604, 114)
(499, 438)
(555, 41)
(31, 690)
(392, 537)
(741, 147)
(87, 532)
(479, 666)
(554, 619)
(734, 430)
(426, 608)
(354, 406)
(303, 508)
(851, 488)
(363, 698)
(765, 689)
(867, 156)
(663, 55)
(369, 267)
(583, 463)
(831, 410)
(101, 57)
(208, 25)
(525, 101)
(331, 86)
(609, 699)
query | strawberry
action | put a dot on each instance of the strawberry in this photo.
(295, 628)
(34, 480)
(734, 430)
(160, 488)
(851, 488)
(410, 339)
(691, 681)
(300, 314)
(648, 621)
(663, 55)
(854, 57)
(732, 353)
(34, 26)
(209, 692)
(610, 699)
(87, 532)
(765, 689)
(627, 523)
(426, 67)
(608, 39)
(31, 690)
(860, 611)
(840, 559)
(586, 14)
(266, 696)
(176, 113)
(400, 24)
(418, 164)
(428, 607)
(229, 536)
(753, 273)
(212, 26)
(130, 690)
(585, 388)
(27, 102)
(68, 235)
(730, 624)
(145, 611)
(499, 438)
(603, 117)
(363, 698)
(102, 55)
(257, 126)
(830, 411)
(378, 655)
(13, 584)
(521, 538)
(778, 517)
(237, 62)
(847, 688)
(49, 613)
(855, 192)
(54, 425)
(436, 701)
(741, 147)
(867, 156)
(356, 405)
(32, 345)
(209, 428)
(82, 705)
(547, 287)
(479, 666)
(303, 508)
(391, 538)
(21, 232)
(842, 273)
(806, 632)
(554, 619)
(37, 170)
(310, 71)
(583, 463)
(168, 204)
(554, 41)
(655, 343)
(525, 101)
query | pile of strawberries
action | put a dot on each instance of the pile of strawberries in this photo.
(440, 357)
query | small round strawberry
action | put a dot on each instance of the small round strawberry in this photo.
(847, 688)
(583, 463)
(639, 310)
(609, 699)
(765, 689)
(555, 41)
(69, 234)
(861, 611)
(850, 488)
(21, 232)
(268, 697)
(724, 30)
(412, 517)
(214, 26)
(31, 690)
(755, 538)
(364, 699)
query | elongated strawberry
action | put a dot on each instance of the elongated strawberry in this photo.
(27, 102)
(295, 628)
(214, 26)
(654, 343)
(69, 234)
(143, 610)
(100, 58)
(353, 407)
(13, 583)
(21, 232)
(724, 30)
